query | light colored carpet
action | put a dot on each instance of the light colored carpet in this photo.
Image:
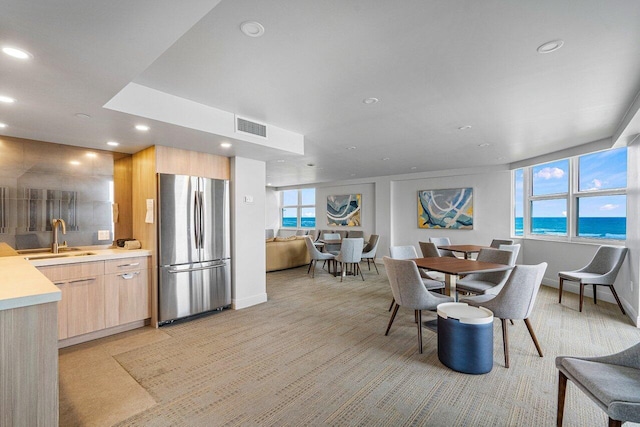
(315, 354)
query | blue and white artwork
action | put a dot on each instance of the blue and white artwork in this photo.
(344, 210)
(450, 208)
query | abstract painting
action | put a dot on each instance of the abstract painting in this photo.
(344, 210)
(450, 208)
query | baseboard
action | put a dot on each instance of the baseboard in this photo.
(102, 333)
(238, 304)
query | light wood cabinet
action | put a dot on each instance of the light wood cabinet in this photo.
(127, 290)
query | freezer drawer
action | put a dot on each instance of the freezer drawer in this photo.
(191, 289)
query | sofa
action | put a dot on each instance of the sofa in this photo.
(286, 252)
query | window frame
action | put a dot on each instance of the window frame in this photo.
(571, 197)
(298, 206)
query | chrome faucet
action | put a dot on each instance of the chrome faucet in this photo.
(54, 224)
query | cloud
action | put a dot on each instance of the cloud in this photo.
(609, 207)
(548, 173)
(596, 184)
(564, 213)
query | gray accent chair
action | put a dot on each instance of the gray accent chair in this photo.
(350, 256)
(495, 243)
(369, 251)
(430, 250)
(316, 255)
(442, 241)
(491, 282)
(342, 233)
(515, 301)
(409, 252)
(601, 271)
(355, 234)
(333, 249)
(409, 291)
(612, 382)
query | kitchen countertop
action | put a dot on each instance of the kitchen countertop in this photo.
(23, 285)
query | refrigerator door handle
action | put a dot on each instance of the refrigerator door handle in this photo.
(174, 271)
(196, 219)
(201, 225)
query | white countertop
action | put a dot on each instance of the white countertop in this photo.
(23, 285)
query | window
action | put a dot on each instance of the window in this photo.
(298, 208)
(581, 197)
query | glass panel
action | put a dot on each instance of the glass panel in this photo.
(551, 178)
(549, 217)
(289, 197)
(602, 217)
(308, 217)
(290, 217)
(309, 196)
(518, 199)
(603, 171)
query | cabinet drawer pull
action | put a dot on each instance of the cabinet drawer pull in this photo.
(133, 264)
(59, 283)
(128, 276)
(90, 279)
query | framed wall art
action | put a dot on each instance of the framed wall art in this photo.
(344, 210)
(449, 208)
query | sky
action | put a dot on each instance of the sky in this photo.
(597, 171)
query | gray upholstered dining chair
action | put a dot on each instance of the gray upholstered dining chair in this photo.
(442, 241)
(491, 282)
(515, 301)
(332, 249)
(430, 250)
(369, 251)
(409, 291)
(409, 252)
(350, 256)
(342, 233)
(316, 255)
(495, 243)
(612, 382)
(601, 271)
(355, 233)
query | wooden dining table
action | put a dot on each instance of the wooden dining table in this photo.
(454, 267)
(467, 250)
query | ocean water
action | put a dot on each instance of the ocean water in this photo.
(293, 222)
(593, 228)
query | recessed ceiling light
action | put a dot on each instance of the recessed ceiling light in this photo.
(353, 174)
(82, 116)
(280, 161)
(500, 158)
(2, 125)
(370, 101)
(92, 155)
(6, 99)
(484, 144)
(384, 159)
(551, 46)
(464, 127)
(252, 28)
(142, 128)
(413, 168)
(351, 148)
(225, 145)
(268, 183)
(113, 143)
(17, 53)
(74, 162)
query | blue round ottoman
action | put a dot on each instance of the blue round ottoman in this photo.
(465, 337)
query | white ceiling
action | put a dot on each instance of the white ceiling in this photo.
(434, 66)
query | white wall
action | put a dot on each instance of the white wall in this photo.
(272, 211)
(247, 232)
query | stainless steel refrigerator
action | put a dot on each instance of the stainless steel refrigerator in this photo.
(193, 248)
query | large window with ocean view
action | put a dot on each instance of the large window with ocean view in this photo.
(581, 197)
(298, 208)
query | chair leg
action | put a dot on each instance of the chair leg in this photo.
(533, 336)
(393, 316)
(562, 390)
(343, 271)
(393, 300)
(375, 266)
(419, 316)
(310, 264)
(505, 339)
(581, 295)
(360, 270)
(313, 273)
(615, 295)
(560, 290)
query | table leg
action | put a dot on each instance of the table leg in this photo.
(450, 284)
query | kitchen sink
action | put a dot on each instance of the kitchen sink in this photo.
(37, 256)
(46, 250)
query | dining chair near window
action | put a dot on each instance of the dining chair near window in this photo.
(601, 271)
(408, 291)
(612, 382)
(316, 255)
(490, 282)
(514, 301)
(369, 251)
(332, 249)
(430, 250)
(495, 243)
(409, 252)
(442, 241)
(350, 256)
(355, 233)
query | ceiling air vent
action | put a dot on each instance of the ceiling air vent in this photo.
(252, 128)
